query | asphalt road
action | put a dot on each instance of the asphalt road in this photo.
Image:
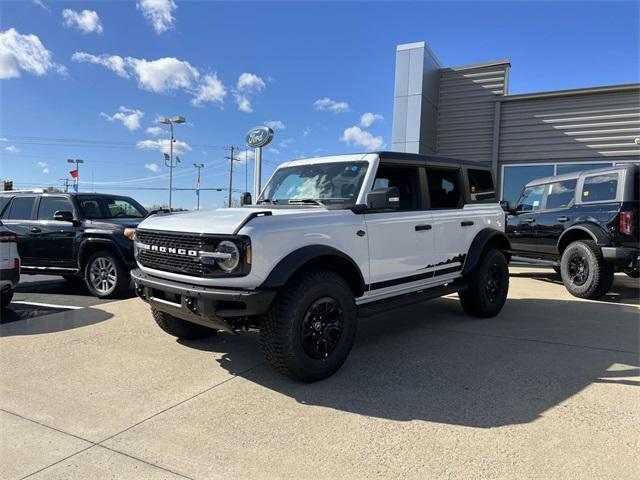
(550, 388)
(40, 295)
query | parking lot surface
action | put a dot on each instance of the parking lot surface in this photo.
(548, 389)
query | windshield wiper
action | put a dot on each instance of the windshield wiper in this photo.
(302, 201)
(266, 200)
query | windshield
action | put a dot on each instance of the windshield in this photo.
(335, 183)
(103, 207)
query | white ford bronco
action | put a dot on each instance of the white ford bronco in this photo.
(328, 239)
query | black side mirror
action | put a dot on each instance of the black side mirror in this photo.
(245, 199)
(63, 216)
(509, 207)
(383, 198)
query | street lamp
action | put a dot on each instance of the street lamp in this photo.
(171, 122)
(198, 166)
(77, 162)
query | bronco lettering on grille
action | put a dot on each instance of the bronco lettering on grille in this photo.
(161, 249)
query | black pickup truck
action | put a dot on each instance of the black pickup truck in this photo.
(584, 224)
(76, 235)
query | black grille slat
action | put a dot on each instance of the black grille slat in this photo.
(168, 261)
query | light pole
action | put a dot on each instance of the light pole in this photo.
(171, 122)
(232, 148)
(198, 166)
(77, 162)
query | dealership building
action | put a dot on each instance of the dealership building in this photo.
(467, 112)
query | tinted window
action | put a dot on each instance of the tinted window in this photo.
(480, 181)
(50, 205)
(531, 198)
(20, 208)
(516, 177)
(110, 207)
(561, 194)
(444, 188)
(600, 187)
(405, 179)
(4, 200)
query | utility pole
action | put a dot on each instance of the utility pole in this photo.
(246, 170)
(66, 184)
(198, 166)
(232, 148)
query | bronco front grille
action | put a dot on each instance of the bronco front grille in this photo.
(172, 262)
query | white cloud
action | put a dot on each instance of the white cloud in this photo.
(367, 119)
(4, 139)
(275, 151)
(361, 138)
(12, 149)
(306, 132)
(285, 142)
(24, 53)
(163, 74)
(86, 21)
(155, 131)
(275, 125)
(44, 166)
(40, 3)
(129, 118)
(163, 146)
(331, 105)
(244, 104)
(210, 90)
(245, 155)
(153, 167)
(159, 13)
(115, 63)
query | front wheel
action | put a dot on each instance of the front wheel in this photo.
(105, 275)
(585, 273)
(311, 326)
(487, 286)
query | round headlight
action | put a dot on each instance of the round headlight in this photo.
(232, 259)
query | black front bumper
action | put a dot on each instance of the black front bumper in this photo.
(622, 256)
(204, 305)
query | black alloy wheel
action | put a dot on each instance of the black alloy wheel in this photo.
(322, 328)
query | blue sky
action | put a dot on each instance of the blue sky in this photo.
(227, 66)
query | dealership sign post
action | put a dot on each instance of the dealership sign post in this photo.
(257, 138)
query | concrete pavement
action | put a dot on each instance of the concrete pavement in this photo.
(548, 389)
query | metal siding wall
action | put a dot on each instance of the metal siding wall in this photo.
(584, 127)
(466, 110)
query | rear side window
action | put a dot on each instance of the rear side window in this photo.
(20, 208)
(444, 188)
(561, 194)
(480, 184)
(598, 188)
(50, 205)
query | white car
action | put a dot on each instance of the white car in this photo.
(9, 265)
(328, 238)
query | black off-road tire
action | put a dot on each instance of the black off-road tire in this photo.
(314, 306)
(5, 297)
(598, 276)
(122, 281)
(487, 286)
(181, 328)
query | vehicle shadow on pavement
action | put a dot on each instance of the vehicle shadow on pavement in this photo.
(62, 287)
(433, 363)
(58, 322)
(623, 290)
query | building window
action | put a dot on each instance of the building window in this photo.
(578, 167)
(515, 177)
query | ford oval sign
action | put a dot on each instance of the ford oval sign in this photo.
(259, 137)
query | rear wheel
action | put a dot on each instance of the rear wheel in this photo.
(585, 273)
(487, 286)
(311, 325)
(181, 328)
(6, 295)
(105, 275)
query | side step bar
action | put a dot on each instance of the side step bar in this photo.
(386, 304)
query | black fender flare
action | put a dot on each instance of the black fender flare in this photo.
(90, 241)
(286, 267)
(596, 233)
(485, 237)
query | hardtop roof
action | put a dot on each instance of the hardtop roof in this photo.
(575, 175)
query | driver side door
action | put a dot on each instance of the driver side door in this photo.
(522, 227)
(54, 241)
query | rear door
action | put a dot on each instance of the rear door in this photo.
(400, 241)
(521, 227)
(557, 213)
(54, 242)
(18, 217)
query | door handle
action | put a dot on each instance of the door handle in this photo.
(35, 230)
(422, 227)
(466, 223)
(563, 219)
(528, 220)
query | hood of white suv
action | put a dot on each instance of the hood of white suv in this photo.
(223, 221)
